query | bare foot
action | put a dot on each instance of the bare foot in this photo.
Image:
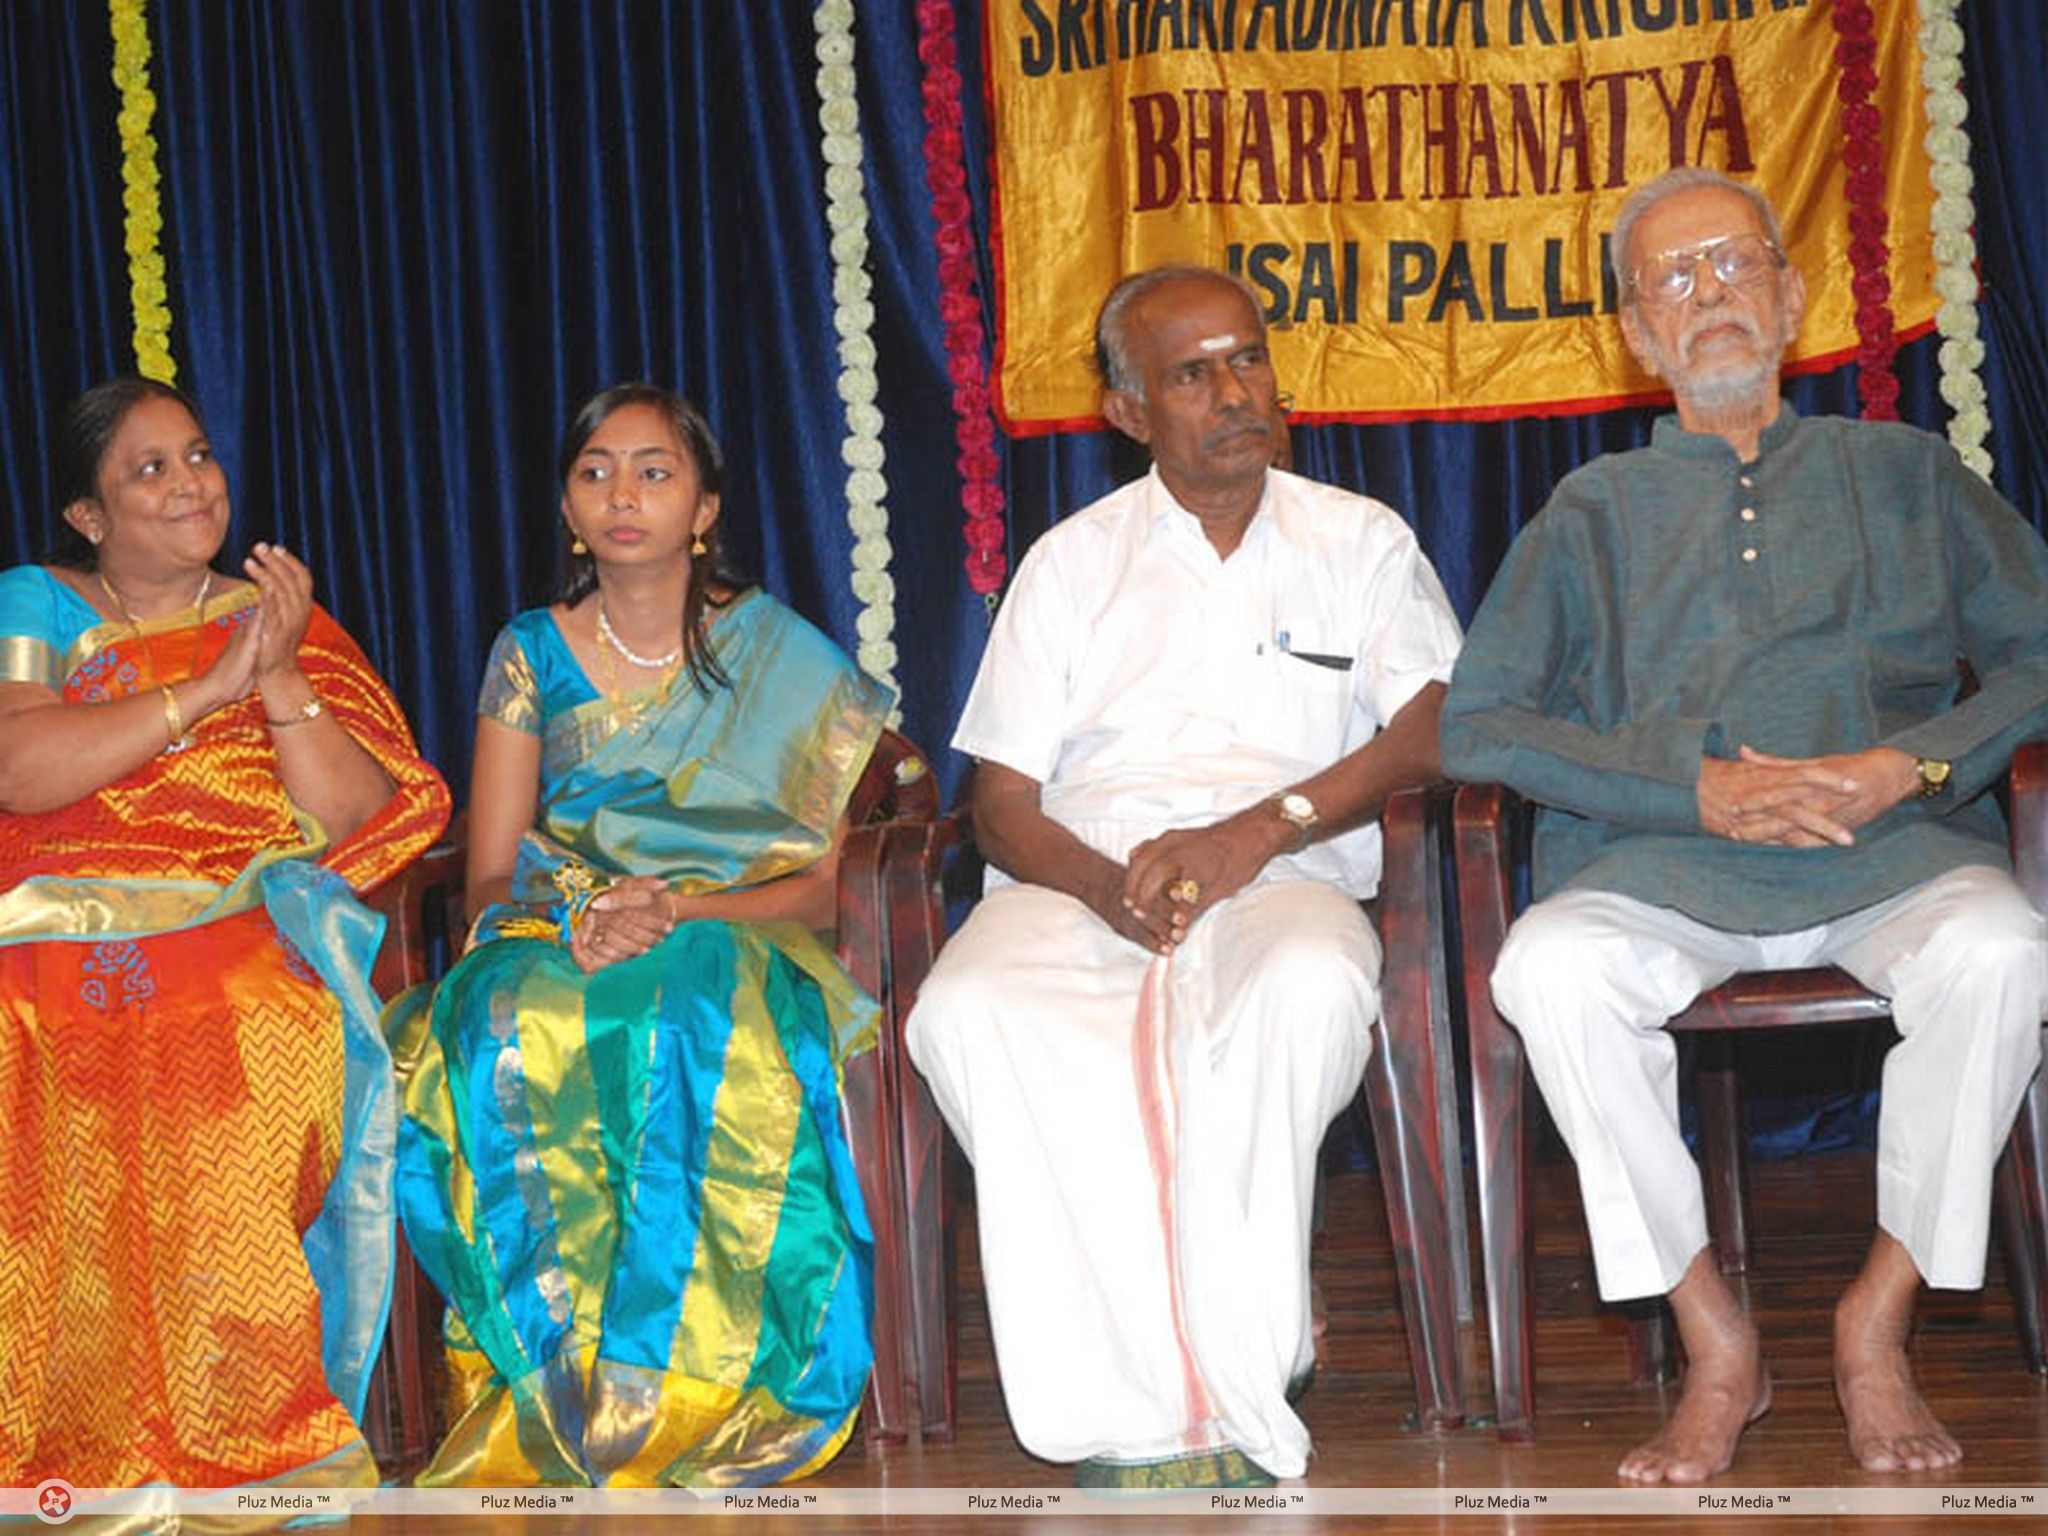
(1891, 1428)
(1697, 1442)
(1726, 1385)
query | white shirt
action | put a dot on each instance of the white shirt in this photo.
(1149, 684)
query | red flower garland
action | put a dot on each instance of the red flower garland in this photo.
(1863, 160)
(945, 173)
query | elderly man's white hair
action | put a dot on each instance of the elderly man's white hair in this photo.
(1670, 184)
(1112, 343)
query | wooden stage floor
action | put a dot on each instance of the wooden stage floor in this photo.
(1811, 1220)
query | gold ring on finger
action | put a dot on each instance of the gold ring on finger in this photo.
(1185, 890)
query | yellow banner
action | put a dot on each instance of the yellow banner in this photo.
(1420, 190)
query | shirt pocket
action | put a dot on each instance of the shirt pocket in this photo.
(1301, 708)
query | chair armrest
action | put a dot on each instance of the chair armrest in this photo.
(1407, 910)
(1414, 813)
(1484, 819)
(891, 915)
(860, 922)
(914, 863)
(424, 899)
(2030, 820)
(896, 788)
(897, 785)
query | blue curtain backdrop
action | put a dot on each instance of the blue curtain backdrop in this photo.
(405, 237)
(63, 275)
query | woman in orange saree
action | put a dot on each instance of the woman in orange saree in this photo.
(196, 773)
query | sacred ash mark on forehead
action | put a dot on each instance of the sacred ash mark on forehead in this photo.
(1221, 343)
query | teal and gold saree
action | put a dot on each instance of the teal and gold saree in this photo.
(633, 1186)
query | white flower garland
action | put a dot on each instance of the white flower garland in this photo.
(853, 317)
(1955, 246)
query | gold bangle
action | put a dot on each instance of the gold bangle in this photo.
(174, 718)
(310, 710)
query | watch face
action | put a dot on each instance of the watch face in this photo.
(1298, 809)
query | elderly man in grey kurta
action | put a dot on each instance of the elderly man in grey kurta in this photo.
(1725, 666)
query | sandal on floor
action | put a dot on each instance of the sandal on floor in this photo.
(1223, 1467)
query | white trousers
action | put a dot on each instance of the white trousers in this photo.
(1590, 979)
(1144, 1136)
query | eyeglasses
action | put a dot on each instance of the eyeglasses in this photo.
(1738, 260)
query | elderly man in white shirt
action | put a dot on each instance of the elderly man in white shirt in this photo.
(1197, 696)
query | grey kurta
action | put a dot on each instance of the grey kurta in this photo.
(1643, 620)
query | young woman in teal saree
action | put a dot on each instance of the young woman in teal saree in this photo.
(622, 1160)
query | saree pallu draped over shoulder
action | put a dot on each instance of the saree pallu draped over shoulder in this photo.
(195, 1195)
(634, 1186)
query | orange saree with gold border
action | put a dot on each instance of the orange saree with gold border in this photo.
(195, 1216)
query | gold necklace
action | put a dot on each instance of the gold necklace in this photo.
(622, 719)
(197, 605)
(135, 624)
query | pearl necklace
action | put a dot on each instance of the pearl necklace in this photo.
(611, 638)
(627, 717)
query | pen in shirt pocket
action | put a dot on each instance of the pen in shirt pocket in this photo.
(1284, 643)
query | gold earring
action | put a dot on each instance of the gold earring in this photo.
(94, 538)
(576, 545)
(697, 545)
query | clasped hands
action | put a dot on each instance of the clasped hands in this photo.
(628, 918)
(1802, 802)
(1174, 878)
(264, 652)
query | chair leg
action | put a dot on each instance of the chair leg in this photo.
(400, 1415)
(422, 1395)
(1404, 1082)
(917, 919)
(2022, 1266)
(887, 1410)
(2022, 1201)
(1401, 1093)
(1653, 1346)
(869, 1111)
(1501, 1154)
(378, 1425)
(1450, 1136)
(934, 1320)
(1500, 1131)
(1721, 1143)
(1652, 1343)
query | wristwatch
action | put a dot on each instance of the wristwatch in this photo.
(1299, 812)
(1934, 772)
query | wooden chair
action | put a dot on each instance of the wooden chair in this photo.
(1410, 1091)
(1490, 833)
(426, 922)
(424, 926)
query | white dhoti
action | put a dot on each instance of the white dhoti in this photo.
(1590, 979)
(1144, 1136)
